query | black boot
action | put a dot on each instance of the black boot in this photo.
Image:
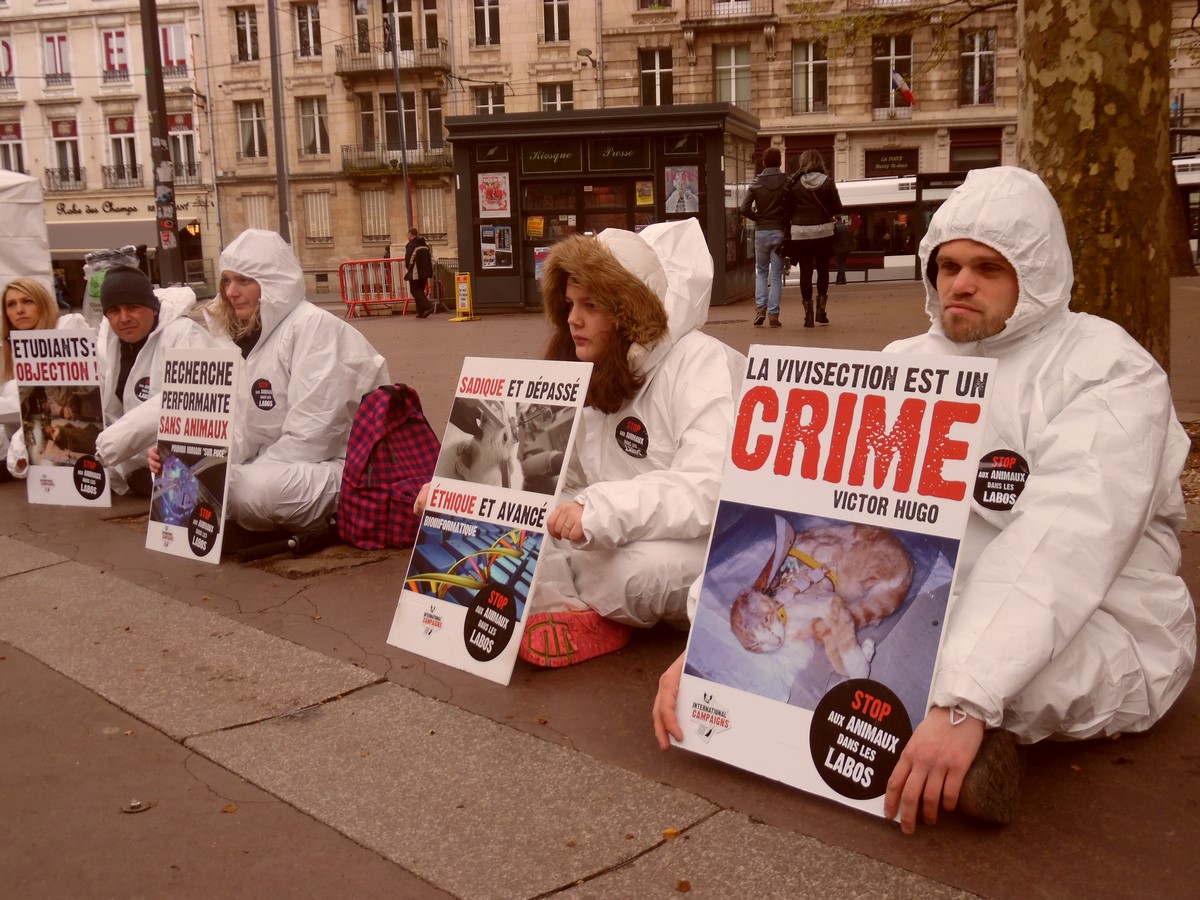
(808, 314)
(822, 319)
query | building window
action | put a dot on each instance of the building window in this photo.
(391, 123)
(308, 30)
(245, 26)
(733, 75)
(182, 140)
(489, 101)
(115, 56)
(556, 20)
(12, 153)
(57, 61)
(257, 208)
(173, 46)
(430, 210)
(431, 23)
(657, 81)
(487, 22)
(654, 4)
(366, 120)
(978, 85)
(375, 228)
(362, 26)
(810, 85)
(65, 137)
(433, 119)
(252, 130)
(892, 55)
(397, 14)
(319, 223)
(557, 96)
(314, 134)
(8, 76)
(122, 152)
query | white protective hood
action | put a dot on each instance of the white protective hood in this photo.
(1011, 211)
(266, 257)
(672, 258)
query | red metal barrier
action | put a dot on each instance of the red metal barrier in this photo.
(367, 283)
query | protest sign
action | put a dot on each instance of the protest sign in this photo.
(187, 506)
(58, 383)
(845, 497)
(502, 465)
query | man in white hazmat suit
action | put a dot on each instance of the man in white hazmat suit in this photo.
(304, 373)
(642, 485)
(139, 325)
(1068, 618)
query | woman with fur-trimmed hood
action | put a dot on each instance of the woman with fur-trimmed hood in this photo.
(641, 490)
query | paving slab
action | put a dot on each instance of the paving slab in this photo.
(16, 557)
(472, 806)
(729, 855)
(72, 761)
(181, 669)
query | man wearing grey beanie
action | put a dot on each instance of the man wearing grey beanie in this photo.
(139, 324)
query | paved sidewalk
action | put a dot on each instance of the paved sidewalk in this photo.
(289, 751)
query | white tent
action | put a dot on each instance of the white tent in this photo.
(24, 243)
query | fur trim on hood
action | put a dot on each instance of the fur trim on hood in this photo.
(603, 269)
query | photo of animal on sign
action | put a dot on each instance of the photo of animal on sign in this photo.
(793, 604)
(506, 443)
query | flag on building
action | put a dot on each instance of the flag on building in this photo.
(903, 88)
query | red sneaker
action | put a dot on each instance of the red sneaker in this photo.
(566, 638)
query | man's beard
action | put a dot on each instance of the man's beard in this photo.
(961, 330)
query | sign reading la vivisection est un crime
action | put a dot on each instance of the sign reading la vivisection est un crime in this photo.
(187, 507)
(483, 535)
(58, 383)
(845, 496)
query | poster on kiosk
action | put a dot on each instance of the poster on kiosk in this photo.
(195, 424)
(844, 499)
(58, 385)
(501, 469)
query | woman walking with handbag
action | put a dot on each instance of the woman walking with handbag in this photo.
(815, 203)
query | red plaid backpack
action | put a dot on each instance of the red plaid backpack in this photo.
(391, 454)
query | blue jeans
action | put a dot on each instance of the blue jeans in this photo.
(768, 264)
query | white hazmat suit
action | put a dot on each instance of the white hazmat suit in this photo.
(301, 385)
(131, 420)
(1068, 617)
(648, 475)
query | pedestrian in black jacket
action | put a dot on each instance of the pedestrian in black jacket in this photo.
(766, 204)
(418, 269)
(815, 204)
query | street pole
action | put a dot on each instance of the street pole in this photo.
(281, 165)
(408, 210)
(168, 255)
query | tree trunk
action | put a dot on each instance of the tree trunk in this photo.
(1093, 122)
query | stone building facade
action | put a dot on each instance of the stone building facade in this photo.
(877, 86)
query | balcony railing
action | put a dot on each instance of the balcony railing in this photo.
(121, 176)
(894, 112)
(58, 79)
(114, 76)
(59, 180)
(8, 82)
(378, 158)
(804, 105)
(357, 57)
(717, 9)
(187, 174)
(175, 72)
